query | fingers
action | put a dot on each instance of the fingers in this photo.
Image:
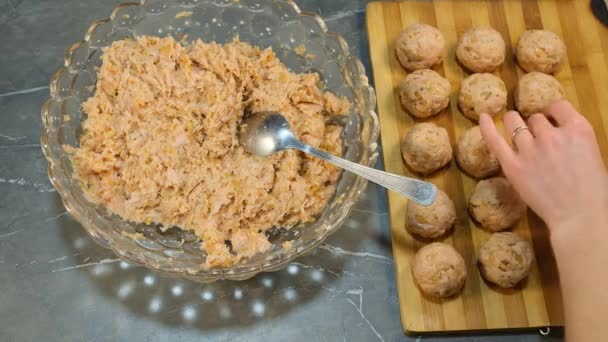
(539, 125)
(495, 141)
(561, 111)
(523, 139)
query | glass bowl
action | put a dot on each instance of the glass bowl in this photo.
(265, 23)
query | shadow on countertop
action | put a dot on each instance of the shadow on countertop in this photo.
(222, 304)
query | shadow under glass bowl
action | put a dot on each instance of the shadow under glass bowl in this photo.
(265, 23)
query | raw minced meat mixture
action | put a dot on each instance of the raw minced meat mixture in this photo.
(160, 142)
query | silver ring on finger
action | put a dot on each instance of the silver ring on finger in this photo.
(518, 130)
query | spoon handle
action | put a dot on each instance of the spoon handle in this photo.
(421, 192)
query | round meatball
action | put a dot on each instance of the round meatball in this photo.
(426, 148)
(420, 46)
(495, 204)
(535, 91)
(482, 93)
(439, 270)
(474, 156)
(481, 49)
(433, 220)
(505, 259)
(425, 93)
(540, 50)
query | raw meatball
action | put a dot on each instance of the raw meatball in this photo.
(474, 156)
(535, 91)
(495, 204)
(505, 259)
(420, 46)
(540, 50)
(439, 270)
(425, 93)
(481, 49)
(431, 221)
(482, 93)
(426, 147)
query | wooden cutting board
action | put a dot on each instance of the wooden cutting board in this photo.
(537, 302)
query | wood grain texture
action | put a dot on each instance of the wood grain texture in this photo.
(481, 306)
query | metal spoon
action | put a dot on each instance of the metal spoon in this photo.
(266, 133)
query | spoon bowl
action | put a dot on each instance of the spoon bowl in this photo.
(265, 134)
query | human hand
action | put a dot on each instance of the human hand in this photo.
(557, 169)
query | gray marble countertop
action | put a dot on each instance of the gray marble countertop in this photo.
(57, 285)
